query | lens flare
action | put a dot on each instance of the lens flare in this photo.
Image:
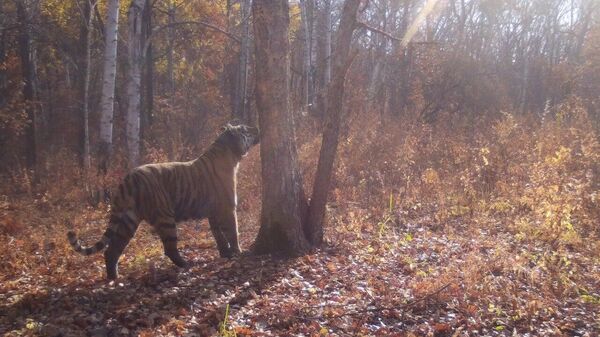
(414, 26)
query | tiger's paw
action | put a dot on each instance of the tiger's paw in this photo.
(231, 253)
(238, 253)
(177, 260)
(183, 264)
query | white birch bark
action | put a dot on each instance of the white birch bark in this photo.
(108, 86)
(134, 80)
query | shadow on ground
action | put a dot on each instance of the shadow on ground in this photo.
(158, 300)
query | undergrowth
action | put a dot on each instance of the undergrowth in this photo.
(511, 202)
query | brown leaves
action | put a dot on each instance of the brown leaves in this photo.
(502, 226)
(405, 282)
(10, 226)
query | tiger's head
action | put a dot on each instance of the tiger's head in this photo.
(240, 138)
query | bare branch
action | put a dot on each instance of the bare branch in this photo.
(390, 36)
(377, 30)
(157, 30)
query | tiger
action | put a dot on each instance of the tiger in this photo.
(164, 194)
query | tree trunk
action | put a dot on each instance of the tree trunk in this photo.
(242, 77)
(374, 85)
(87, 64)
(380, 45)
(283, 201)
(327, 45)
(323, 60)
(108, 86)
(134, 85)
(148, 79)
(335, 96)
(170, 47)
(230, 68)
(398, 77)
(306, 14)
(524, 95)
(3, 74)
(28, 68)
(3, 40)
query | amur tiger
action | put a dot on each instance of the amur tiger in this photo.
(166, 193)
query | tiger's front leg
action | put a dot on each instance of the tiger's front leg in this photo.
(230, 228)
(225, 230)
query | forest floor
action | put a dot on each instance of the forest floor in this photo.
(374, 277)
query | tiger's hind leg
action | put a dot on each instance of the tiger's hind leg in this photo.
(122, 227)
(167, 230)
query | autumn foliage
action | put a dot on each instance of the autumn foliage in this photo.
(458, 207)
(507, 217)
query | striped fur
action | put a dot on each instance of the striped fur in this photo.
(164, 194)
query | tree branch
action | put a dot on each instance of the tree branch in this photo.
(390, 36)
(180, 23)
(377, 30)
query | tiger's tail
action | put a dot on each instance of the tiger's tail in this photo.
(122, 226)
(97, 247)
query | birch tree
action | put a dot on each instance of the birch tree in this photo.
(108, 86)
(148, 75)
(134, 47)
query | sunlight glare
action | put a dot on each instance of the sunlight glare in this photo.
(412, 29)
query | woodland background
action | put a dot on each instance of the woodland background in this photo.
(465, 191)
